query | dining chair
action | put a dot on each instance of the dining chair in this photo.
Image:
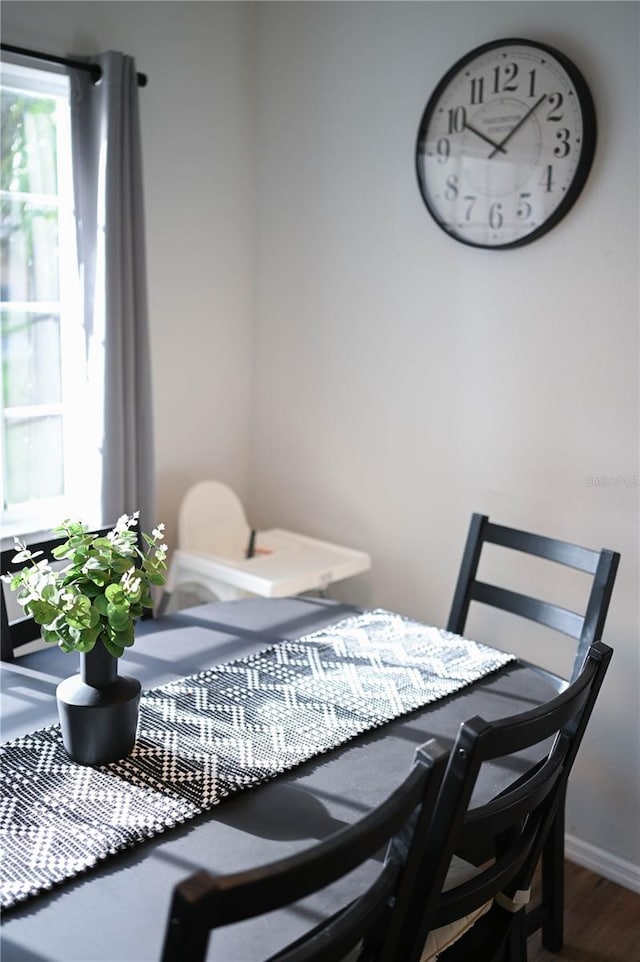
(203, 902)
(18, 630)
(600, 568)
(426, 902)
(517, 821)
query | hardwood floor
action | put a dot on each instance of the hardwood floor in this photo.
(601, 924)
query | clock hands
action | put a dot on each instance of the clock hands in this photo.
(500, 146)
(479, 133)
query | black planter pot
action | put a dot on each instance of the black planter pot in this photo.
(98, 710)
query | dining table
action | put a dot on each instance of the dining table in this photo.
(116, 910)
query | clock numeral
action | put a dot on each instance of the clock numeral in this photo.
(564, 146)
(555, 100)
(524, 208)
(452, 187)
(457, 120)
(546, 180)
(443, 149)
(477, 90)
(532, 83)
(496, 220)
(470, 202)
(504, 78)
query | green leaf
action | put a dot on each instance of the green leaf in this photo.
(100, 603)
(103, 543)
(21, 556)
(118, 617)
(155, 579)
(80, 614)
(91, 590)
(78, 623)
(98, 577)
(76, 527)
(125, 638)
(60, 626)
(114, 649)
(115, 595)
(61, 550)
(88, 638)
(43, 612)
(84, 644)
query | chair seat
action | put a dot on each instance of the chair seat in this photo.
(440, 939)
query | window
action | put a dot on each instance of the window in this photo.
(46, 439)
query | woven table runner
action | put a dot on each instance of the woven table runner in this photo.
(221, 731)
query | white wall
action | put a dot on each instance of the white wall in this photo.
(394, 381)
(403, 380)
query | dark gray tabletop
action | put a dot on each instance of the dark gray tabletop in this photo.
(117, 913)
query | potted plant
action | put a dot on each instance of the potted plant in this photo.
(92, 605)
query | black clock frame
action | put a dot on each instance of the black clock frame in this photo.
(587, 147)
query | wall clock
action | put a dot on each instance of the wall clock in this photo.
(505, 143)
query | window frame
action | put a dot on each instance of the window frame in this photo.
(81, 487)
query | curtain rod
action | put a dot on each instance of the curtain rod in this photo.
(94, 69)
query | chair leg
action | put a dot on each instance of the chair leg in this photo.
(553, 884)
(517, 946)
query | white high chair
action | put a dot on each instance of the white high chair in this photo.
(218, 553)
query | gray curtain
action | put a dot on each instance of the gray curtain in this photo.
(111, 248)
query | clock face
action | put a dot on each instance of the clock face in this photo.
(505, 144)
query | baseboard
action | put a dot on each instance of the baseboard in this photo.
(611, 867)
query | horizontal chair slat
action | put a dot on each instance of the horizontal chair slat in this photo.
(584, 559)
(545, 613)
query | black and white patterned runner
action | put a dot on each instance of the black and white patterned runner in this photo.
(221, 731)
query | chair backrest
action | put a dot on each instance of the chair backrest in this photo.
(517, 821)
(211, 520)
(204, 902)
(17, 632)
(585, 628)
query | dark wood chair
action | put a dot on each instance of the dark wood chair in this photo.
(517, 821)
(204, 902)
(413, 909)
(17, 633)
(600, 566)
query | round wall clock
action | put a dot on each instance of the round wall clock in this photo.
(505, 143)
